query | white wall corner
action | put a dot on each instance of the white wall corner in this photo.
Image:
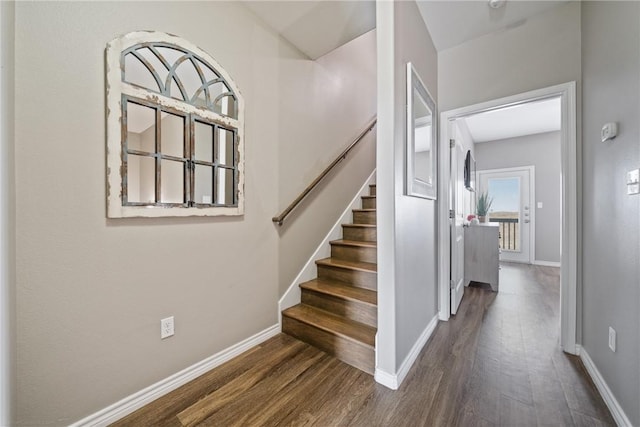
(386, 379)
(393, 381)
(617, 412)
(292, 295)
(137, 400)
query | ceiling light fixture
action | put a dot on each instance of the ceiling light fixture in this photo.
(496, 4)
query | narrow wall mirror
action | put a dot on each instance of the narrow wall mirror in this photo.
(421, 157)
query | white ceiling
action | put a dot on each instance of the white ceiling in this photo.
(451, 23)
(511, 122)
(317, 27)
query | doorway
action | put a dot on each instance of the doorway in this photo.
(569, 222)
(512, 191)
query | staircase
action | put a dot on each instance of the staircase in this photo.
(338, 312)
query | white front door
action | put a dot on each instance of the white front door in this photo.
(457, 220)
(512, 194)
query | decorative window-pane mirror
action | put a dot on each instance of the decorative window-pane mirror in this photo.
(421, 149)
(174, 130)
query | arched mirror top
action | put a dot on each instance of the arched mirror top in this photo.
(173, 67)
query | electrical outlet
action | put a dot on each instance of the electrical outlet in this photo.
(166, 327)
(612, 339)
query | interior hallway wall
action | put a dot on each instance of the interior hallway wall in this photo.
(542, 151)
(328, 103)
(407, 285)
(611, 228)
(91, 290)
(541, 51)
(7, 215)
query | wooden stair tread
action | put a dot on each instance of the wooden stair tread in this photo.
(341, 290)
(358, 243)
(363, 210)
(368, 197)
(360, 225)
(351, 265)
(337, 325)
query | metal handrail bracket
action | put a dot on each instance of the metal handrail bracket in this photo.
(280, 218)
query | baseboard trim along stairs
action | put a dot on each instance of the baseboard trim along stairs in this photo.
(338, 309)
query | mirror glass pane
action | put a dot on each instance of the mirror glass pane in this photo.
(172, 134)
(189, 77)
(141, 128)
(224, 186)
(171, 181)
(209, 74)
(141, 179)
(203, 187)
(174, 90)
(226, 105)
(225, 147)
(169, 54)
(203, 141)
(135, 72)
(216, 90)
(422, 139)
(153, 60)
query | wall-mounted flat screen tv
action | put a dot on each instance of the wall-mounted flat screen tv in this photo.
(470, 172)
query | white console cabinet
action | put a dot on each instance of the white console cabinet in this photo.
(481, 251)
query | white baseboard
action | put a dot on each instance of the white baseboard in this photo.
(546, 263)
(137, 400)
(292, 295)
(393, 381)
(386, 379)
(617, 412)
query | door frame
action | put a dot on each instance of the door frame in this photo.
(569, 168)
(532, 195)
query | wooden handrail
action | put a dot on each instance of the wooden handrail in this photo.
(280, 218)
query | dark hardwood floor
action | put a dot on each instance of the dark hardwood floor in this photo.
(497, 362)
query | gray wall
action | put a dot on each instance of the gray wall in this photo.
(541, 51)
(407, 285)
(7, 203)
(611, 229)
(338, 92)
(415, 218)
(91, 291)
(543, 152)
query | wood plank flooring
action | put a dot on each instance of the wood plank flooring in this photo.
(497, 362)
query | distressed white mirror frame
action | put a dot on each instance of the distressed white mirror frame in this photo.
(117, 88)
(416, 184)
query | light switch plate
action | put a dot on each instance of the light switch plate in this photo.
(612, 339)
(633, 177)
(539, 205)
(633, 189)
(609, 131)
